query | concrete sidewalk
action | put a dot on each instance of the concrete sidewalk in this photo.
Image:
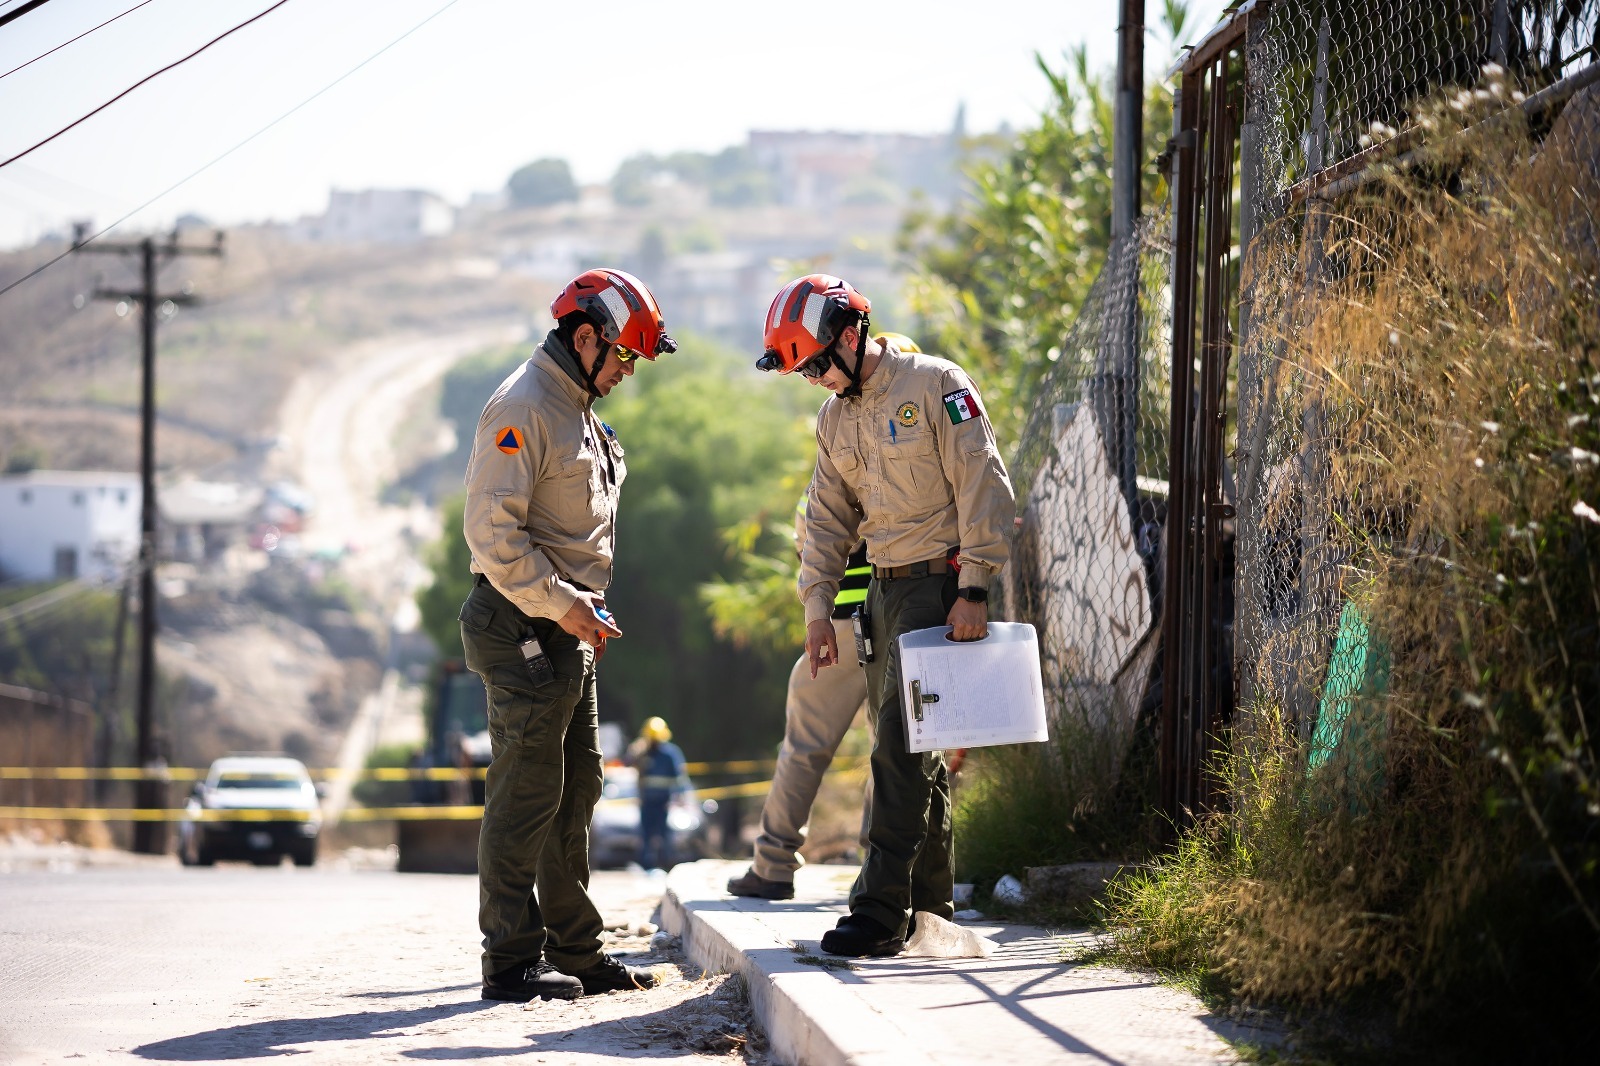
(1023, 1004)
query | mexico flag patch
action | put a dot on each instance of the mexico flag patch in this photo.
(961, 406)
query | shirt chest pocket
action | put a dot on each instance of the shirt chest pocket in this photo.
(577, 485)
(619, 467)
(911, 474)
(848, 462)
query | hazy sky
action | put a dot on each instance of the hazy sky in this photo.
(482, 88)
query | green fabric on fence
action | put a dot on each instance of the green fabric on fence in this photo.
(1351, 724)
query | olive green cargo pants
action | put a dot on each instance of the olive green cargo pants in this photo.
(908, 865)
(543, 783)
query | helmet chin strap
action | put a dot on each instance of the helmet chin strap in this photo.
(592, 376)
(862, 329)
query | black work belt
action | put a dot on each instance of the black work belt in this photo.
(926, 568)
(480, 580)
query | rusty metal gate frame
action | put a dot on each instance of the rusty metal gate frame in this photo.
(1198, 685)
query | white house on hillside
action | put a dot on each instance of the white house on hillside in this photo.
(382, 216)
(68, 524)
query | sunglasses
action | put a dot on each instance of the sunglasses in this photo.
(816, 366)
(624, 355)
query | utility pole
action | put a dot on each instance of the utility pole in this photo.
(1127, 165)
(1127, 119)
(148, 837)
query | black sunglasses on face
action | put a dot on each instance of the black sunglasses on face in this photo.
(624, 355)
(816, 366)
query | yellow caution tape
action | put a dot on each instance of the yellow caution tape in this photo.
(381, 773)
(743, 766)
(149, 814)
(419, 812)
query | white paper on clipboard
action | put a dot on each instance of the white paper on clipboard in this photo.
(975, 694)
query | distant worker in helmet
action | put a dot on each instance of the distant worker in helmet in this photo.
(907, 461)
(662, 779)
(543, 486)
(817, 713)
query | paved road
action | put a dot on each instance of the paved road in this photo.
(340, 424)
(143, 960)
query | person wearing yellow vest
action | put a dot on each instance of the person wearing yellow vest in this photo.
(817, 713)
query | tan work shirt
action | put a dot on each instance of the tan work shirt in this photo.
(912, 466)
(542, 489)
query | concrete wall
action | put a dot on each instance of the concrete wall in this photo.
(39, 730)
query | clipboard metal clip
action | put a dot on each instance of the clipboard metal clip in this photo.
(918, 698)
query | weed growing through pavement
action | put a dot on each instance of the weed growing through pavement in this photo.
(826, 962)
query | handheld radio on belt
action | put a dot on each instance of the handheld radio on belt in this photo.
(861, 623)
(538, 662)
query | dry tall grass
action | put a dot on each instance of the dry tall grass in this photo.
(1446, 861)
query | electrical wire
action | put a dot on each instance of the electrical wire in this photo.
(58, 595)
(23, 10)
(47, 264)
(142, 81)
(80, 37)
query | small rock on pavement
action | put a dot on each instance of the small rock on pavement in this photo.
(664, 942)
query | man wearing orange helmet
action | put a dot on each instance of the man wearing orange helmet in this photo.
(542, 490)
(907, 460)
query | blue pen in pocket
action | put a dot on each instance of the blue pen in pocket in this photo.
(891, 431)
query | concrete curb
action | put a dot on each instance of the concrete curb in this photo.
(1027, 1003)
(729, 935)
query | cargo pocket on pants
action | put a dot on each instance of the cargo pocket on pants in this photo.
(529, 716)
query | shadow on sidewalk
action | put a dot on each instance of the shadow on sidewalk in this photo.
(265, 1039)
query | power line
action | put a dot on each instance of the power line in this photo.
(47, 264)
(80, 37)
(23, 10)
(34, 604)
(141, 81)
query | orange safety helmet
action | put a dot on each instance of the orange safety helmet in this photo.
(624, 308)
(807, 316)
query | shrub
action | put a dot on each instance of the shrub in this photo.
(1444, 861)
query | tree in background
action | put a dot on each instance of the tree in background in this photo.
(997, 282)
(542, 183)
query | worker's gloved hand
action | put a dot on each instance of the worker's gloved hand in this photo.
(822, 645)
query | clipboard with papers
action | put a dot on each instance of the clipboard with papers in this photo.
(974, 694)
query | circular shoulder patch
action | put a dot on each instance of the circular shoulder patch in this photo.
(908, 414)
(508, 439)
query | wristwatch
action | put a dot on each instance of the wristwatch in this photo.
(973, 595)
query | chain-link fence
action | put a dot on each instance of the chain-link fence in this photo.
(1091, 475)
(1285, 108)
(1331, 90)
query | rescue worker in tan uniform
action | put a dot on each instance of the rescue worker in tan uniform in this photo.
(907, 460)
(542, 490)
(816, 715)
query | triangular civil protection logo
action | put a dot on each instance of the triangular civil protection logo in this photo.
(508, 439)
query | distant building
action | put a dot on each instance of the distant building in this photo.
(824, 169)
(721, 294)
(379, 216)
(200, 519)
(68, 524)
